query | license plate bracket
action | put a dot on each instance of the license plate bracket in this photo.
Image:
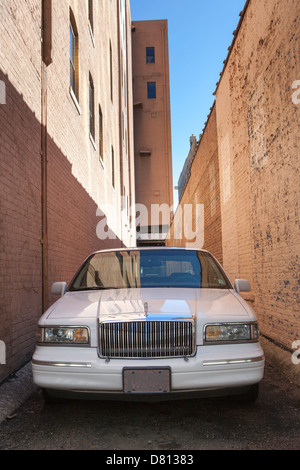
(139, 380)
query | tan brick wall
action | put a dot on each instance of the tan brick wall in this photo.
(72, 129)
(204, 188)
(258, 151)
(258, 133)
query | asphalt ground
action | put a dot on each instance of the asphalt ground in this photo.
(19, 387)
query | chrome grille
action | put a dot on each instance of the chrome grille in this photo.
(147, 339)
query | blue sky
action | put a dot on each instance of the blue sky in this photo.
(200, 33)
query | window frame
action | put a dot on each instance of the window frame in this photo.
(111, 72)
(73, 56)
(91, 107)
(100, 122)
(151, 94)
(150, 58)
(91, 14)
(113, 182)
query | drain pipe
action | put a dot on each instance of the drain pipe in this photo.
(46, 61)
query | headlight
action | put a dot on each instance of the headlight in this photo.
(63, 335)
(231, 332)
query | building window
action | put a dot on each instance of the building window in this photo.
(111, 73)
(112, 167)
(73, 55)
(90, 13)
(100, 133)
(150, 55)
(151, 90)
(92, 107)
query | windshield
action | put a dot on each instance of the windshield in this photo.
(150, 268)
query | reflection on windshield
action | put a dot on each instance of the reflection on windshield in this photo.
(150, 268)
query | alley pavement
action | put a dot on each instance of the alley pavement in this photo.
(19, 387)
(15, 390)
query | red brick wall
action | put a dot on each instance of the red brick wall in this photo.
(20, 227)
(72, 226)
(20, 175)
(77, 183)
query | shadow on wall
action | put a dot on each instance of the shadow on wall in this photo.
(72, 225)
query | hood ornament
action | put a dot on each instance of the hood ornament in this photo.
(146, 308)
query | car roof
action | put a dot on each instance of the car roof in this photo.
(142, 248)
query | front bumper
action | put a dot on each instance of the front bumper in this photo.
(219, 367)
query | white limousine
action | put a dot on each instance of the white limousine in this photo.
(149, 323)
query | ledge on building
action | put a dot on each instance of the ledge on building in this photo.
(145, 153)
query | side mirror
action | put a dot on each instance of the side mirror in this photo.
(59, 288)
(242, 285)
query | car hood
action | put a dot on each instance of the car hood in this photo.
(143, 303)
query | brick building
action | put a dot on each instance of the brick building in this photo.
(152, 124)
(66, 148)
(199, 183)
(246, 167)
